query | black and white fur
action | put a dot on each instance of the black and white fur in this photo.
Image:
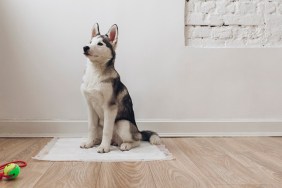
(110, 110)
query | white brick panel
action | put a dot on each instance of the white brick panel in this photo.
(222, 33)
(233, 23)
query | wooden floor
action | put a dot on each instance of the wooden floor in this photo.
(247, 162)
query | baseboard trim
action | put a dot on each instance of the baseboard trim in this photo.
(164, 128)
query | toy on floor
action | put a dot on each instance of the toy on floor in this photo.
(11, 169)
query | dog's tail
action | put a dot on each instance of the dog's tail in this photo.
(151, 137)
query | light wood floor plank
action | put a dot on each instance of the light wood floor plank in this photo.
(215, 164)
(34, 170)
(13, 147)
(181, 172)
(275, 139)
(31, 150)
(259, 144)
(70, 175)
(224, 186)
(255, 186)
(238, 152)
(266, 154)
(125, 174)
(3, 146)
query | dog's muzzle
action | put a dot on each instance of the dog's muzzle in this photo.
(86, 49)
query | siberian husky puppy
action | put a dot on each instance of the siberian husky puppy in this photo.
(110, 111)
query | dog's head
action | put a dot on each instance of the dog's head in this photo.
(101, 48)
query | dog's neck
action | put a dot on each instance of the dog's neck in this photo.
(100, 67)
(97, 72)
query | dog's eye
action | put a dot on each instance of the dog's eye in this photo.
(100, 44)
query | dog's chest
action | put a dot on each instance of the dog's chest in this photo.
(92, 89)
(96, 90)
(94, 97)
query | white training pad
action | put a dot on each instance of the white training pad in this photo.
(68, 149)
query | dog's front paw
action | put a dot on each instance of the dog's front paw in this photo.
(103, 149)
(87, 144)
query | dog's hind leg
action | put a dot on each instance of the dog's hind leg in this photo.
(129, 135)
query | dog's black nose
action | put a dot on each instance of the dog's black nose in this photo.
(85, 49)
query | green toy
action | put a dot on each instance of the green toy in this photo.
(12, 169)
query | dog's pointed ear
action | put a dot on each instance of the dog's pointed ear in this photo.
(113, 35)
(95, 30)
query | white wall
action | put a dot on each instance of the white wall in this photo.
(42, 64)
